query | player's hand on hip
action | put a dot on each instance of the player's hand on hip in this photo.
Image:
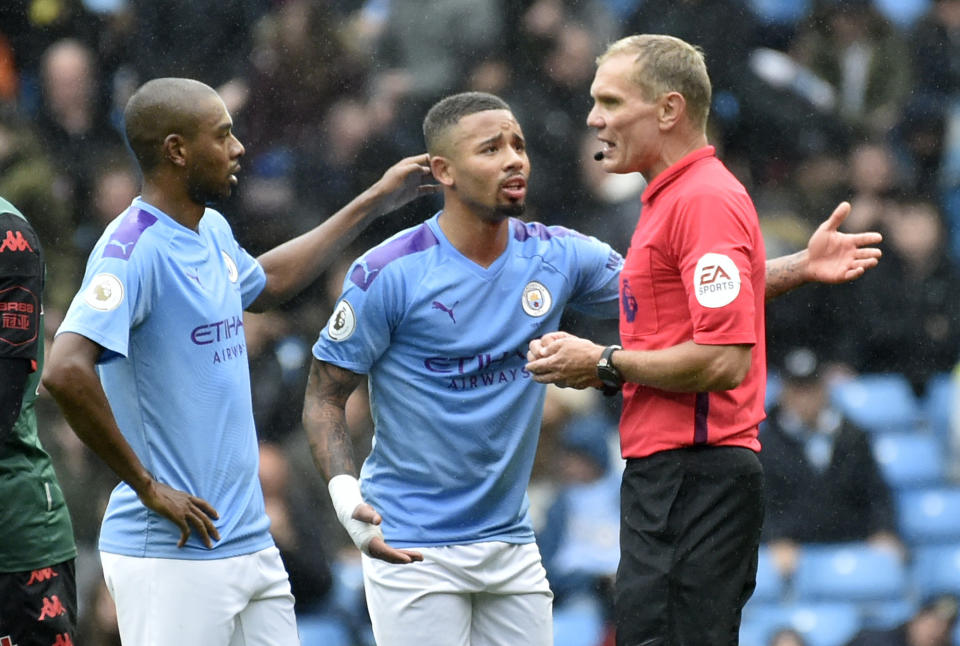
(374, 546)
(403, 182)
(183, 510)
(379, 549)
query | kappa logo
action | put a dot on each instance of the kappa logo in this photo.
(343, 322)
(39, 576)
(105, 292)
(536, 300)
(52, 607)
(15, 242)
(716, 280)
(437, 305)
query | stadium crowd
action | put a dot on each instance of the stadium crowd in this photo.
(815, 101)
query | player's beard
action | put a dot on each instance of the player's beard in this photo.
(511, 210)
(205, 192)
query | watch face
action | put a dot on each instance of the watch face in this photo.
(606, 371)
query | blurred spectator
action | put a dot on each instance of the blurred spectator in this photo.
(787, 637)
(28, 178)
(932, 625)
(292, 526)
(279, 362)
(553, 103)
(209, 40)
(116, 182)
(579, 542)
(73, 121)
(858, 51)
(426, 50)
(302, 61)
(873, 177)
(920, 142)
(936, 50)
(823, 483)
(914, 317)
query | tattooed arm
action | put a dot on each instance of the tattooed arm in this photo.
(830, 257)
(325, 421)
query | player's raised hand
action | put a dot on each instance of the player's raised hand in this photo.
(403, 182)
(836, 257)
(184, 511)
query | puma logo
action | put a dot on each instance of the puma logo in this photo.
(123, 245)
(437, 305)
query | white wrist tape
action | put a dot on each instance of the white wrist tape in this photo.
(345, 494)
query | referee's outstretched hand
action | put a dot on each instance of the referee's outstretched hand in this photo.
(378, 548)
(183, 510)
(837, 257)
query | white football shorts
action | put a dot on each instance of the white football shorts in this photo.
(236, 601)
(482, 594)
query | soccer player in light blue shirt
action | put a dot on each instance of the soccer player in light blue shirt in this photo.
(150, 370)
(439, 317)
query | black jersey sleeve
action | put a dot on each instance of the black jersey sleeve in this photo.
(21, 286)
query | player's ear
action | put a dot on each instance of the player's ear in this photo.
(173, 150)
(442, 170)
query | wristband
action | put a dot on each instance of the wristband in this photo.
(345, 493)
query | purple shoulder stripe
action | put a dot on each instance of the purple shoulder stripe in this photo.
(368, 267)
(525, 230)
(124, 238)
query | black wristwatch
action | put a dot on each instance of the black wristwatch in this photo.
(610, 377)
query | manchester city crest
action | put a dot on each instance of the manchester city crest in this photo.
(536, 299)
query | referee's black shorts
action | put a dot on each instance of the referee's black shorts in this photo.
(39, 607)
(689, 533)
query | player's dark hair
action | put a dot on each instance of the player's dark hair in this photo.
(447, 112)
(160, 107)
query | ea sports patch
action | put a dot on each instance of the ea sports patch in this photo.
(105, 292)
(536, 300)
(342, 322)
(232, 272)
(716, 280)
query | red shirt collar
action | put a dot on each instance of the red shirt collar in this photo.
(674, 171)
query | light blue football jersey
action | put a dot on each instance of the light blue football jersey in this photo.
(444, 342)
(166, 303)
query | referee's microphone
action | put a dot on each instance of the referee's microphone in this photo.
(598, 156)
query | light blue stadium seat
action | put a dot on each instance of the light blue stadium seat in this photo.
(323, 630)
(910, 459)
(877, 401)
(821, 624)
(780, 11)
(936, 569)
(903, 13)
(578, 622)
(770, 584)
(929, 515)
(884, 615)
(853, 572)
(936, 406)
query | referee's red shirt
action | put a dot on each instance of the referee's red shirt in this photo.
(695, 270)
